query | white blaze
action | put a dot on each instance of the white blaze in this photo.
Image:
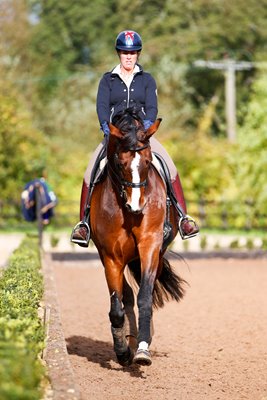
(136, 193)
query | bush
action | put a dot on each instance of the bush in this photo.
(203, 242)
(234, 244)
(264, 244)
(21, 330)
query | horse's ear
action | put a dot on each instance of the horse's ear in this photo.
(153, 128)
(115, 131)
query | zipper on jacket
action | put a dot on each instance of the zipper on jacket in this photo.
(128, 96)
(111, 114)
(128, 89)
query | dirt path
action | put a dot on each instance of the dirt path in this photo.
(211, 346)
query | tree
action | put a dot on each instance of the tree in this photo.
(23, 150)
(250, 159)
(15, 35)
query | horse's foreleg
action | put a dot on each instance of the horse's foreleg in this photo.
(144, 302)
(130, 319)
(117, 318)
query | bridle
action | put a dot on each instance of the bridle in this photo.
(122, 182)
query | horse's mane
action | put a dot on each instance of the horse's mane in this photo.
(130, 125)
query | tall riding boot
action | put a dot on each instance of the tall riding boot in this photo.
(187, 226)
(81, 232)
(84, 200)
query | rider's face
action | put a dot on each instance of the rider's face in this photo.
(128, 59)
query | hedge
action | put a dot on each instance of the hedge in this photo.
(21, 330)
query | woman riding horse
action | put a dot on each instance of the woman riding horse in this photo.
(128, 85)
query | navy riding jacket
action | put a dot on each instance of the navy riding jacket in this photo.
(114, 96)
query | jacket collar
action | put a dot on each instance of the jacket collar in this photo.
(137, 69)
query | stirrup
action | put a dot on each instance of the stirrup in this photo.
(185, 236)
(81, 242)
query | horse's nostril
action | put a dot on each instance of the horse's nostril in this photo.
(131, 210)
(128, 207)
(136, 212)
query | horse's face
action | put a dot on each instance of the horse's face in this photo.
(133, 167)
(132, 157)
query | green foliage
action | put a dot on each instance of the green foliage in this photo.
(249, 244)
(23, 151)
(234, 244)
(54, 240)
(56, 64)
(202, 160)
(173, 33)
(251, 156)
(203, 242)
(21, 331)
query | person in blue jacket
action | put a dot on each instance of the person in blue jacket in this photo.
(128, 86)
(48, 200)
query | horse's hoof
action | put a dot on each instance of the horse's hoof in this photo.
(126, 358)
(142, 357)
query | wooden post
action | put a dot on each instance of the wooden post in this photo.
(39, 219)
(230, 67)
(230, 102)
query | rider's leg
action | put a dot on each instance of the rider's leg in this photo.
(178, 191)
(81, 232)
(188, 227)
(84, 199)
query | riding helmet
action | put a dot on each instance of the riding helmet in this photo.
(128, 41)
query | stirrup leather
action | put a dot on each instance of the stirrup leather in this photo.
(81, 242)
(185, 236)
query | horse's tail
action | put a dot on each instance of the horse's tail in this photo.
(168, 286)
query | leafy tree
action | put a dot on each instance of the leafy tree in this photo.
(251, 156)
(14, 34)
(57, 51)
(174, 34)
(23, 151)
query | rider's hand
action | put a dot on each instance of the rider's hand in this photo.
(105, 128)
(147, 123)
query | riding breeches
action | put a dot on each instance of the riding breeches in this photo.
(155, 147)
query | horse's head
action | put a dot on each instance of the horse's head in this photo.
(129, 155)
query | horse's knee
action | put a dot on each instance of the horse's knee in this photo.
(116, 314)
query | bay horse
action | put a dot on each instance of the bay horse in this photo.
(128, 210)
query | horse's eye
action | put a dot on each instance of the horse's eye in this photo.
(121, 165)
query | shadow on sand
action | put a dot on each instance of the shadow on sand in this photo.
(99, 352)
